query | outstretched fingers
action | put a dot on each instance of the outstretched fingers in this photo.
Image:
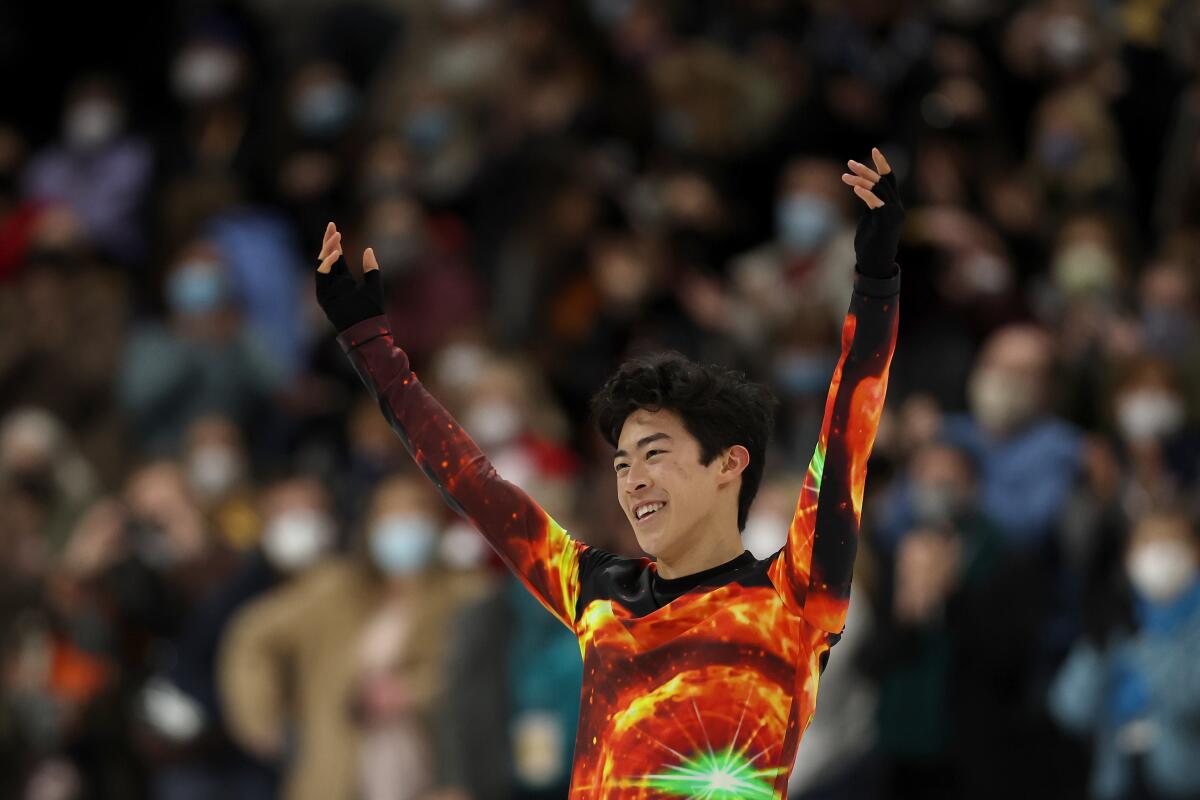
(331, 249)
(370, 263)
(863, 171)
(868, 197)
(881, 163)
(863, 179)
(855, 180)
(327, 263)
(328, 241)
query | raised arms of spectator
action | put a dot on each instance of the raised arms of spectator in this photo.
(532, 544)
(813, 570)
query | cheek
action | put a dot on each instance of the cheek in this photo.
(683, 485)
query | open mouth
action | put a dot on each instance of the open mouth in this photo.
(645, 511)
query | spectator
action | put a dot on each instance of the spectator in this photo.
(361, 641)
(98, 169)
(957, 642)
(185, 729)
(203, 361)
(514, 680)
(1022, 449)
(1135, 694)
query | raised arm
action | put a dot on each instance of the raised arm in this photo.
(532, 544)
(813, 570)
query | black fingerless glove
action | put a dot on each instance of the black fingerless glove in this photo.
(878, 234)
(346, 302)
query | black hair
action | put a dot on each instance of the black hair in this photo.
(718, 406)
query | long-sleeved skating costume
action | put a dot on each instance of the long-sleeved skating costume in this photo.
(695, 687)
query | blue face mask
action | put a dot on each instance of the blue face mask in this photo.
(1059, 151)
(1168, 331)
(197, 287)
(428, 129)
(403, 544)
(805, 222)
(325, 111)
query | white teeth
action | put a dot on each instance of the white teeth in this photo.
(643, 511)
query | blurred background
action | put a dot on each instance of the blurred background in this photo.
(220, 576)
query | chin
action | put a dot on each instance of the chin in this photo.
(653, 544)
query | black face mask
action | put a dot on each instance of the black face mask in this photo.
(36, 483)
(148, 542)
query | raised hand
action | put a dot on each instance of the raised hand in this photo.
(878, 234)
(345, 301)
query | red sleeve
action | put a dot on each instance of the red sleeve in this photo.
(530, 542)
(813, 570)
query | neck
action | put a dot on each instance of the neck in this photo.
(712, 546)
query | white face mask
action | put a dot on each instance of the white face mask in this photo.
(403, 544)
(1160, 570)
(213, 469)
(205, 72)
(1148, 414)
(938, 503)
(1001, 405)
(297, 538)
(493, 423)
(91, 123)
(461, 364)
(1085, 268)
(462, 547)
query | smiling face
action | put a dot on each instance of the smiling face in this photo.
(682, 502)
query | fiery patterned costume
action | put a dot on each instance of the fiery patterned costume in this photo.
(696, 687)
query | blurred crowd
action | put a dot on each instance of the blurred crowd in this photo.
(220, 575)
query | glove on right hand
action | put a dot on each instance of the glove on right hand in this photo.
(878, 234)
(345, 301)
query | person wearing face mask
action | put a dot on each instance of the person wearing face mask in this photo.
(180, 708)
(323, 102)
(358, 640)
(205, 360)
(956, 630)
(1160, 448)
(1168, 321)
(38, 456)
(1137, 695)
(98, 169)
(1022, 450)
(217, 467)
(806, 261)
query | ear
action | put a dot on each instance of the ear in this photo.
(733, 462)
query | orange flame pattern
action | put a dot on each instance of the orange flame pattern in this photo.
(708, 695)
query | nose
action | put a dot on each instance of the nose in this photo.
(636, 479)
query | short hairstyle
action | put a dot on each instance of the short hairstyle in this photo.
(718, 406)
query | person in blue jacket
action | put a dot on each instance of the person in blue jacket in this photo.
(1137, 695)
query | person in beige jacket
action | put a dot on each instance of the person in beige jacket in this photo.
(336, 673)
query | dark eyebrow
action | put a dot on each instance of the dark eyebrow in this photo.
(645, 440)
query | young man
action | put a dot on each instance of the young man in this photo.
(700, 667)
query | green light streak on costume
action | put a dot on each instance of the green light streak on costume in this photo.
(816, 467)
(728, 775)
